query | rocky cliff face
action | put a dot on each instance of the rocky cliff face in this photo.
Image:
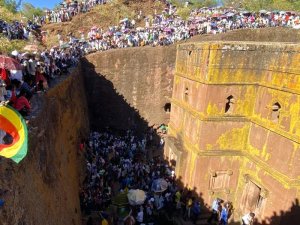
(124, 86)
(44, 187)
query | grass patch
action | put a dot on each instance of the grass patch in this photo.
(7, 46)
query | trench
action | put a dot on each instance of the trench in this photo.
(126, 92)
(122, 90)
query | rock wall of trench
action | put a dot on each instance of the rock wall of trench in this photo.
(44, 187)
(129, 87)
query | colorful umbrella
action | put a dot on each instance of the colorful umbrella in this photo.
(13, 123)
(9, 63)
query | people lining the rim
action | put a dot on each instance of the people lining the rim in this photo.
(167, 27)
(38, 69)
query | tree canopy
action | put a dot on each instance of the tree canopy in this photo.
(28, 10)
(11, 5)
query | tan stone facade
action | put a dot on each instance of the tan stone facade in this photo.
(234, 130)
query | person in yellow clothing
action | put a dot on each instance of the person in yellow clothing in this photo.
(188, 206)
(178, 195)
(104, 222)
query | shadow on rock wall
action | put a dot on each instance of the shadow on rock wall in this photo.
(109, 108)
(291, 217)
(142, 76)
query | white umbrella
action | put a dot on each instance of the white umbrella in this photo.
(263, 11)
(136, 197)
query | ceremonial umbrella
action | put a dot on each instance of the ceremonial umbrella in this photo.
(159, 185)
(136, 197)
(9, 63)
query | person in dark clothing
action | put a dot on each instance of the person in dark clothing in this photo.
(24, 87)
(90, 221)
(196, 210)
(215, 211)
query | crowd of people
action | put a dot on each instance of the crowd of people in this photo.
(162, 28)
(18, 30)
(33, 75)
(118, 162)
(68, 10)
(168, 27)
(24, 30)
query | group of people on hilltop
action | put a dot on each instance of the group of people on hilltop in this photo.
(167, 27)
(25, 30)
(160, 29)
(68, 10)
(37, 70)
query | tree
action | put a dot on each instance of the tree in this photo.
(11, 5)
(28, 10)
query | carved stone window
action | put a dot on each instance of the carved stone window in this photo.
(275, 112)
(186, 94)
(167, 107)
(229, 104)
(219, 180)
(254, 196)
